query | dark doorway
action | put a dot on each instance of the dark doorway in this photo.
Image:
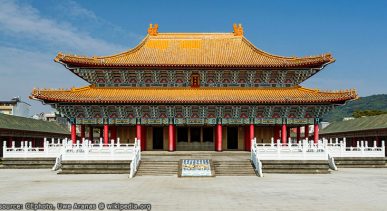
(232, 138)
(158, 138)
(208, 134)
(182, 134)
(195, 134)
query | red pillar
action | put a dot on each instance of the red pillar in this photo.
(82, 132)
(171, 135)
(216, 138)
(74, 133)
(219, 137)
(283, 134)
(276, 133)
(90, 133)
(251, 136)
(315, 133)
(306, 131)
(106, 134)
(298, 133)
(139, 136)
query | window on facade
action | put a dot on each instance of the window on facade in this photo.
(208, 134)
(182, 134)
(195, 134)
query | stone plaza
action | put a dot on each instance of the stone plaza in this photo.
(346, 189)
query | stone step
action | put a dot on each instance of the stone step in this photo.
(296, 171)
(361, 166)
(28, 163)
(359, 162)
(234, 168)
(157, 168)
(81, 171)
(268, 166)
(95, 167)
(295, 166)
(27, 167)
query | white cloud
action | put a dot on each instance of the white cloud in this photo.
(22, 70)
(25, 21)
(76, 10)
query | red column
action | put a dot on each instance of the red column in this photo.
(74, 133)
(276, 133)
(90, 133)
(219, 137)
(216, 138)
(306, 131)
(139, 136)
(283, 134)
(171, 135)
(298, 133)
(82, 132)
(315, 133)
(106, 134)
(251, 136)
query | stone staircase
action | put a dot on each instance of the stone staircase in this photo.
(166, 163)
(158, 168)
(357, 162)
(295, 167)
(95, 167)
(234, 168)
(28, 163)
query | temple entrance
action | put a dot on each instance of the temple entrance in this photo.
(158, 138)
(232, 138)
(195, 134)
(208, 134)
(195, 138)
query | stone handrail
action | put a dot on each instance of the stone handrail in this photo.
(255, 158)
(136, 158)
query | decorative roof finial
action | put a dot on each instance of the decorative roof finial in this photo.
(238, 30)
(153, 29)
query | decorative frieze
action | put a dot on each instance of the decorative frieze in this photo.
(182, 78)
(195, 114)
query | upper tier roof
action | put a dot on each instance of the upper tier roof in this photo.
(205, 95)
(193, 50)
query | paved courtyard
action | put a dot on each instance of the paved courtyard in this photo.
(347, 189)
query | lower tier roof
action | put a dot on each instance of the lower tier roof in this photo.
(205, 95)
(10, 122)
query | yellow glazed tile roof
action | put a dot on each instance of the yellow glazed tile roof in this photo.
(207, 95)
(207, 50)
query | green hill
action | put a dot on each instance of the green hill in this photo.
(373, 102)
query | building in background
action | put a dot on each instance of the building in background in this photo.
(369, 129)
(15, 107)
(194, 91)
(17, 129)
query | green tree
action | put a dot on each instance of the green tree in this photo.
(359, 113)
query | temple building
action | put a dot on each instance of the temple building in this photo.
(193, 91)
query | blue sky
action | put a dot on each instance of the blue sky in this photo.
(32, 32)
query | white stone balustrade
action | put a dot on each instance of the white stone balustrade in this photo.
(89, 151)
(49, 149)
(303, 150)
